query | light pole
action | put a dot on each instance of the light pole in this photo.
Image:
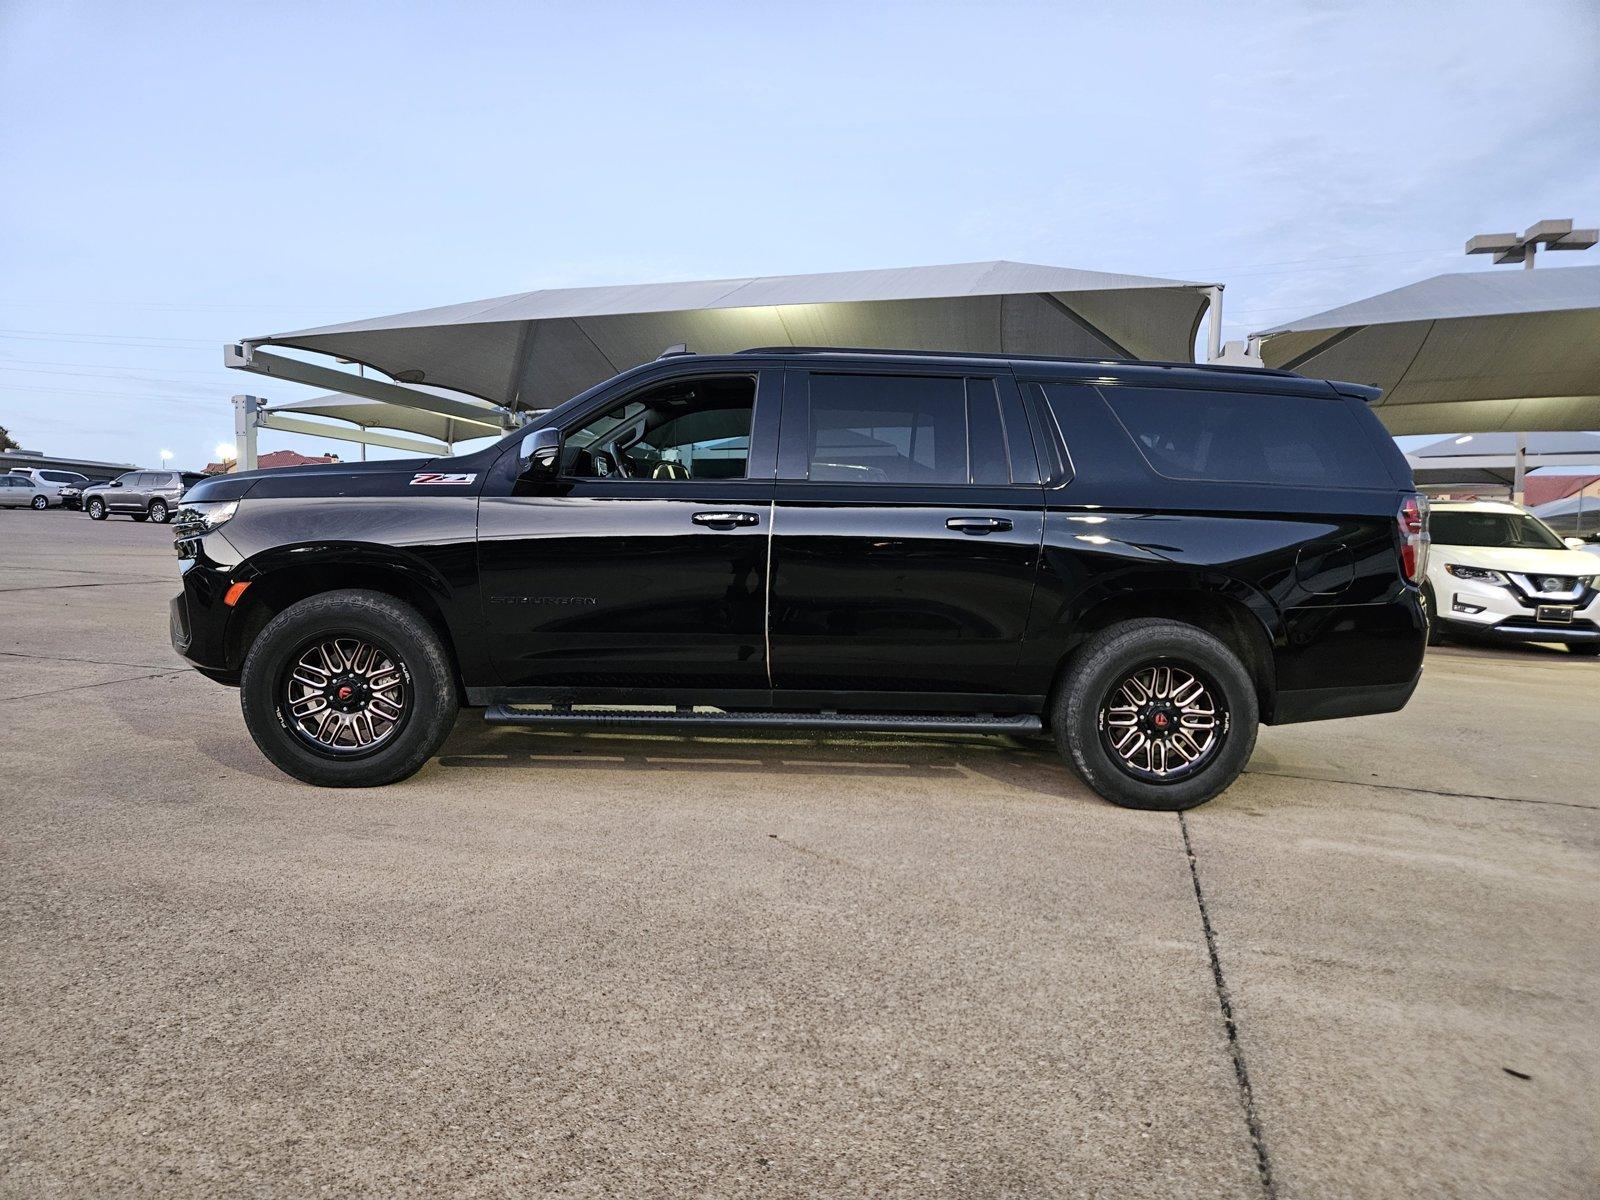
(1552, 235)
(1509, 248)
(166, 457)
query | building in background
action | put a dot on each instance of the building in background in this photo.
(98, 472)
(274, 459)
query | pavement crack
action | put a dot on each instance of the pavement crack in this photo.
(97, 662)
(57, 587)
(1225, 1003)
(78, 687)
(1421, 791)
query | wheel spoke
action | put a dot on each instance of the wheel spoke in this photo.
(1162, 722)
(345, 695)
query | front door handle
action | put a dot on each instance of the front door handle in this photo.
(726, 520)
(978, 524)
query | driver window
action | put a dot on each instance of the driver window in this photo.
(683, 430)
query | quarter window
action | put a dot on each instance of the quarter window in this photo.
(888, 429)
(1246, 437)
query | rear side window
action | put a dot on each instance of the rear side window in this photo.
(1243, 437)
(888, 429)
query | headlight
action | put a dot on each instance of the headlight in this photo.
(1481, 574)
(197, 519)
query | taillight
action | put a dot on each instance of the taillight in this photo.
(1412, 520)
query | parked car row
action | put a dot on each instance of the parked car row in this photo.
(40, 487)
(142, 495)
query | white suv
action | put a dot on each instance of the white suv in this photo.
(1497, 572)
(56, 484)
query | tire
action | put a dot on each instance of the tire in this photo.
(1085, 722)
(140, 516)
(40, 503)
(426, 690)
(1584, 649)
(159, 512)
(96, 509)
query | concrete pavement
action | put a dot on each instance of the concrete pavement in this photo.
(589, 964)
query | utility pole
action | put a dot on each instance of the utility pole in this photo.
(1552, 235)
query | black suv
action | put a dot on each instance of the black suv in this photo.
(1142, 561)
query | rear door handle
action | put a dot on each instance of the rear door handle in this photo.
(978, 524)
(726, 520)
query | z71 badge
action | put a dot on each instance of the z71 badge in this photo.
(440, 479)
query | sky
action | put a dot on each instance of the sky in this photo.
(176, 177)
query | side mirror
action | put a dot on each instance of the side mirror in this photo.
(116, 483)
(1574, 543)
(541, 453)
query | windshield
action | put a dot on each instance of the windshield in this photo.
(1501, 530)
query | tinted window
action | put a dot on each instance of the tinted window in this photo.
(60, 476)
(686, 429)
(1498, 529)
(888, 429)
(128, 479)
(1248, 438)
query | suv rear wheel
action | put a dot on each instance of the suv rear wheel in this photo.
(348, 689)
(158, 511)
(1156, 714)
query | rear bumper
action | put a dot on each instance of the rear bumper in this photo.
(1326, 704)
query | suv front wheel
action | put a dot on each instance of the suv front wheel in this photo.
(348, 689)
(97, 508)
(1156, 714)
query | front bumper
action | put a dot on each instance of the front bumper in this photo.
(1505, 614)
(198, 619)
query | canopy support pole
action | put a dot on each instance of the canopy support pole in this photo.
(1214, 315)
(246, 413)
(243, 356)
(1518, 490)
(366, 437)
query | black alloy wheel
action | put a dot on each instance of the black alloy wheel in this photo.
(1156, 714)
(1163, 721)
(344, 695)
(350, 688)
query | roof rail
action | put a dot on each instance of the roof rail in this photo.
(879, 351)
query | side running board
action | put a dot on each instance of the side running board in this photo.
(690, 720)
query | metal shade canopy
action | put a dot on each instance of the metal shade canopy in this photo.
(536, 349)
(1491, 458)
(1462, 353)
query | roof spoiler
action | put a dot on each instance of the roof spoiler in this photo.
(1361, 391)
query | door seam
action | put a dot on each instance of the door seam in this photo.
(766, 609)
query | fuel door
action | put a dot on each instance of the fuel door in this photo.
(1325, 568)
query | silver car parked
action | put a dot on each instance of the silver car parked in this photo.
(64, 486)
(142, 495)
(19, 491)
